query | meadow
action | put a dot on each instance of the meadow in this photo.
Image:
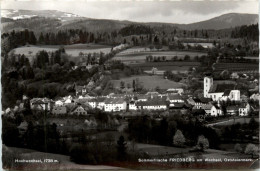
(149, 82)
(167, 66)
(71, 50)
(139, 55)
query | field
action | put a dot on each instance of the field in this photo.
(236, 66)
(72, 50)
(149, 82)
(63, 161)
(232, 121)
(139, 55)
(170, 66)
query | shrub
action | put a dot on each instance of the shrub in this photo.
(238, 148)
(203, 143)
(178, 138)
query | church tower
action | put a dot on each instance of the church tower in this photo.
(208, 83)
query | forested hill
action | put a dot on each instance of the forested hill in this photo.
(44, 21)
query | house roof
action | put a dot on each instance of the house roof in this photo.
(179, 106)
(114, 101)
(218, 88)
(175, 97)
(232, 108)
(152, 103)
(202, 100)
(207, 107)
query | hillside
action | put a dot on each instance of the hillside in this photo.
(21, 19)
(223, 21)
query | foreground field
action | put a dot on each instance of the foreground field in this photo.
(149, 82)
(62, 162)
(72, 50)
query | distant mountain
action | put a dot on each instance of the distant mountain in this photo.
(53, 20)
(25, 14)
(223, 22)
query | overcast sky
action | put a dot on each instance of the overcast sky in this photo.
(172, 12)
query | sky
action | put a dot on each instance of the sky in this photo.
(183, 11)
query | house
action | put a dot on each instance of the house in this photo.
(152, 105)
(200, 102)
(97, 103)
(232, 110)
(190, 101)
(81, 90)
(175, 98)
(215, 111)
(220, 91)
(79, 110)
(207, 108)
(132, 105)
(255, 96)
(174, 90)
(59, 103)
(59, 110)
(41, 104)
(244, 109)
(113, 105)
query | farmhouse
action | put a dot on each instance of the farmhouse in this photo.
(59, 103)
(200, 102)
(244, 109)
(176, 98)
(132, 105)
(220, 91)
(215, 111)
(41, 104)
(79, 110)
(113, 105)
(81, 90)
(97, 103)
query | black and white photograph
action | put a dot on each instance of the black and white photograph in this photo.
(129, 85)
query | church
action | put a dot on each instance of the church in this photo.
(220, 92)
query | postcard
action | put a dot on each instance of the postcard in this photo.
(129, 85)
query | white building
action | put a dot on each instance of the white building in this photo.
(244, 109)
(220, 91)
(113, 105)
(152, 105)
(132, 105)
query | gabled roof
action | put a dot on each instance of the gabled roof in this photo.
(114, 101)
(218, 88)
(207, 107)
(152, 103)
(232, 108)
(175, 97)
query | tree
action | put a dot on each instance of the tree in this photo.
(203, 143)
(122, 84)
(251, 149)
(178, 138)
(134, 85)
(121, 148)
(238, 148)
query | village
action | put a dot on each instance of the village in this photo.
(212, 103)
